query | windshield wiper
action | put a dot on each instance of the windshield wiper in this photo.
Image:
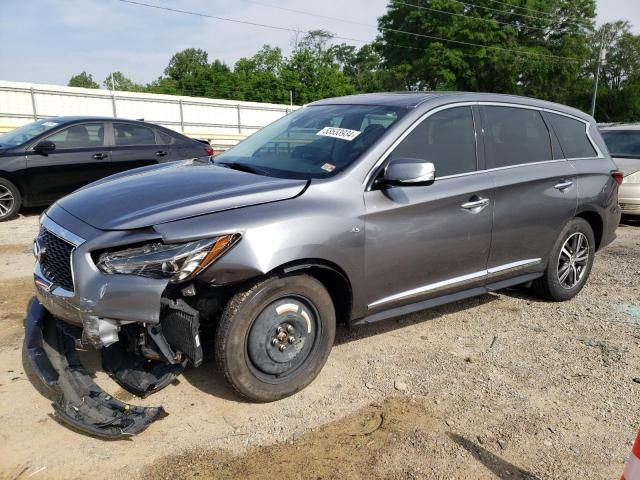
(243, 167)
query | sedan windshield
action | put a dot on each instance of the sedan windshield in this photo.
(26, 133)
(623, 143)
(313, 142)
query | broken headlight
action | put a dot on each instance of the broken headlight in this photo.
(178, 262)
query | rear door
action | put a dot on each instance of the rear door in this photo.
(536, 188)
(136, 145)
(427, 241)
(80, 158)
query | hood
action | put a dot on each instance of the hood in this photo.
(627, 165)
(164, 193)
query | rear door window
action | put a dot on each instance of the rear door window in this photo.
(573, 136)
(446, 139)
(127, 134)
(86, 135)
(515, 136)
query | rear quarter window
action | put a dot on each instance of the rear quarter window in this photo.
(573, 136)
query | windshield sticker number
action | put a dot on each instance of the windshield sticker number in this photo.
(50, 124)
(328, 167)
(341, 133)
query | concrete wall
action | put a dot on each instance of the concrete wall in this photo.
(222, 122)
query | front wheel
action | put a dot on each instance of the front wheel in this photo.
(274, 337)
(570, 262)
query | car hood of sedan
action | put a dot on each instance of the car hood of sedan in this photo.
(168, 192)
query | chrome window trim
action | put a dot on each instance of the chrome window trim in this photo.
(61, 232)
(407, 132)
(383, 158)
(434, 287)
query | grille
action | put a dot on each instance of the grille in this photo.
(56, 260)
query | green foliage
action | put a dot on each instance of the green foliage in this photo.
(84, 80)
(542, 48)
(117, 81)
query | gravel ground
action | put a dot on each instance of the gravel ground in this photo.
(500, 386)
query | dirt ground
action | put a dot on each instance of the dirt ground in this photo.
(500, 386)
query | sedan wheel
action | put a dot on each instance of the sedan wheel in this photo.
(10, 200)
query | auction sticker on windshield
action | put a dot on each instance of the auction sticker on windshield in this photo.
(342, 133)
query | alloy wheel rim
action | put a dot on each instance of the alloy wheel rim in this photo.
(573, 260)
(6, 201)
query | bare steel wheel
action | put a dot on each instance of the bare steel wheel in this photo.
(275, 336)
(573, 260)
(569, 263)
(10, 200)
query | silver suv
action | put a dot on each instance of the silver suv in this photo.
(350, 210)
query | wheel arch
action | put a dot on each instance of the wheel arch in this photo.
(334, 279)
(596, 222)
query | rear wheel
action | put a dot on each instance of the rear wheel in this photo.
(570, 262)
(10, 200)
(274, 337)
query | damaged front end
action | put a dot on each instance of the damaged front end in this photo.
(143, 327)
(78, 401)
(145, 360)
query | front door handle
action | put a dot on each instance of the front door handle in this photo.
(100, 156)
(476, 205)
(562, 186)
(161, 153)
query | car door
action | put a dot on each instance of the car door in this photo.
(427, 241)
(136, 145)
(79, 159)
(536, 191)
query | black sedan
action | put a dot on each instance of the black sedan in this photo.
(45, 160)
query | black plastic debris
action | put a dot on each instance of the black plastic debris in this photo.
(79, 402)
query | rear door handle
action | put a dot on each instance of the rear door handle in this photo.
(100, 156)
(161, 153)
(562, 186)
(476, 205)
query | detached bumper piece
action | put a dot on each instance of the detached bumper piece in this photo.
(79, 402)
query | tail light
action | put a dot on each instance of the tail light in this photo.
(618, 176)
(210, 151)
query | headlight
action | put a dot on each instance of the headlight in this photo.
(633, 178)
(178, 262)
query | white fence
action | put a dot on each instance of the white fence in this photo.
(222, 122)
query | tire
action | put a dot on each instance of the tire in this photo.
(563, 279)
(275, 336)
(10, 200)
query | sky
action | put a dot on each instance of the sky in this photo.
(48, 41)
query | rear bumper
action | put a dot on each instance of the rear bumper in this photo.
(630, 206)
(78, 401)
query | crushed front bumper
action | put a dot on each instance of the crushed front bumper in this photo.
(78, 401)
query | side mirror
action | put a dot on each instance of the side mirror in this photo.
(408, 172)
(44, 147)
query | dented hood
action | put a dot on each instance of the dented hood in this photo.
(164, 193)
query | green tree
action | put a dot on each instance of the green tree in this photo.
(84, 80)
(259, 78)
(313, 72)
(518, 52)
(189, 70)
(117, 81)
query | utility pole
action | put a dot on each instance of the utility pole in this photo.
(113, 97)
(602, 56)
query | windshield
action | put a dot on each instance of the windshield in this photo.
(26, 133)
(313, 142)
(623, 143)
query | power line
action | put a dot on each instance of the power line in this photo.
(481, 19)
(523, 8)
(507, 12)
(419, 35)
